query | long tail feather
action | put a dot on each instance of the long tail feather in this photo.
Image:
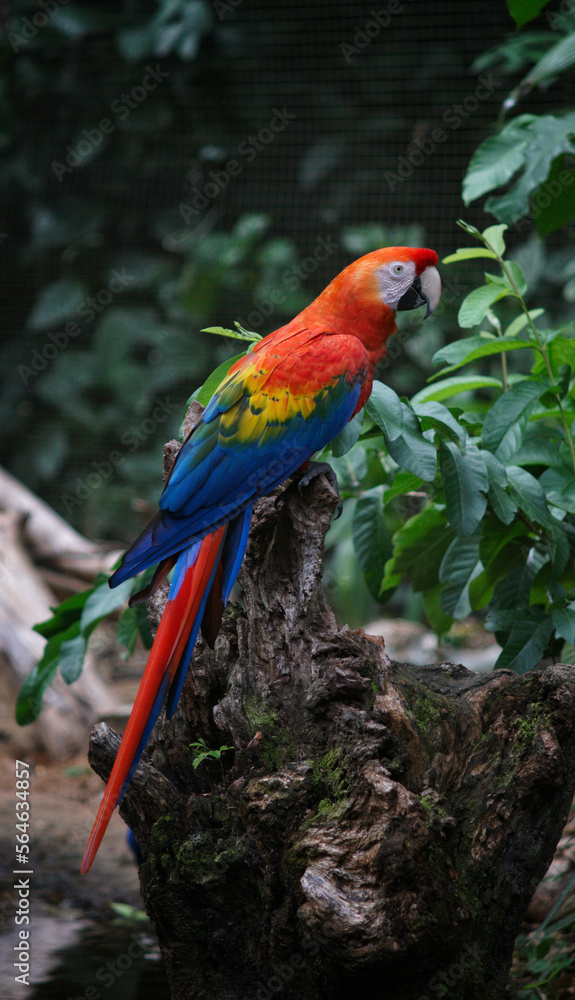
(214, 609)
(222, 580)
(159, 576)
(235, 550)
(226, 575)
(192, 581)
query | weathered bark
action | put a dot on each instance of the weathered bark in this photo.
(380, 828)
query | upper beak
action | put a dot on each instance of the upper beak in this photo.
(426, 289)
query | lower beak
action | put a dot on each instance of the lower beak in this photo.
(425, 290)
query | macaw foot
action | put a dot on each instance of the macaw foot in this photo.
(315, 469)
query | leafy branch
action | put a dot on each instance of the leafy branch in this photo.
(491, 479)
(493, 240)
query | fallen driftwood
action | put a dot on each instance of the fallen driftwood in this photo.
(30, 531)
(50, 540)
(378, 829)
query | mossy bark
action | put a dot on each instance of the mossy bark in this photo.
(378, 829)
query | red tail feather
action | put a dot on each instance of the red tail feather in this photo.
(214, 609)
(170, 642)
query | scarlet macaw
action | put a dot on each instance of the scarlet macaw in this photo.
(290, 395)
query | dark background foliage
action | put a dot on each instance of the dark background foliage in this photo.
(150, 197)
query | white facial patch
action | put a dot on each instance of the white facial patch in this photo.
(395, 279)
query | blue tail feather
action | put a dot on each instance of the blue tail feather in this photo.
(233, 552)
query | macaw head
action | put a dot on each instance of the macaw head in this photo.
(400, 278)
(410, 279)
(364, 298)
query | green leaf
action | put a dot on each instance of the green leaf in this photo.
(238, 334)
(419, 547)
(515, 272)
(564, 622)
(412, 451)
(371, 539)
(468, 253)
(29, 701)
(64, 615)
(495, 536)
(553, 203)
(347, 437)
(72, 653)
(506, 420)
(527, 643)
(465, 484)
(127, 630)
(404, 482)
(557, 59)
(206, 391)
(450, 387)
(513, 590)
(559, 487)
(101, 602)
(561, 351)
(520, 321)
(470, 230)
(503, 506)
(436, 415)
(474, 307)
(549, 137)
(529, 495)
(523, 11)
(497, 159)
(494, 236)
(458, 351)
(502, 550)
(351, 468)
(439, 621)
(30, 696)
(144, 625)
(540, 446)
(385, 409)
(128, 912)
(560, 550)
(463, 352)
(459, 567)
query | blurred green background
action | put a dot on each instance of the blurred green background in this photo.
(173, 165)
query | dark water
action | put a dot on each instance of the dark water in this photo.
(105, 963)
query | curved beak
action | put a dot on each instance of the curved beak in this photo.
(425, 290)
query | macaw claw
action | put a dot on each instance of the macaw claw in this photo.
(315, 469)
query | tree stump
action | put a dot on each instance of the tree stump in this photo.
(378, 829)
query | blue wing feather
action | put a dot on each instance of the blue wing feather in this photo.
(217, 475)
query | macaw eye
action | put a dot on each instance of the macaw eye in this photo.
(397, 268)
